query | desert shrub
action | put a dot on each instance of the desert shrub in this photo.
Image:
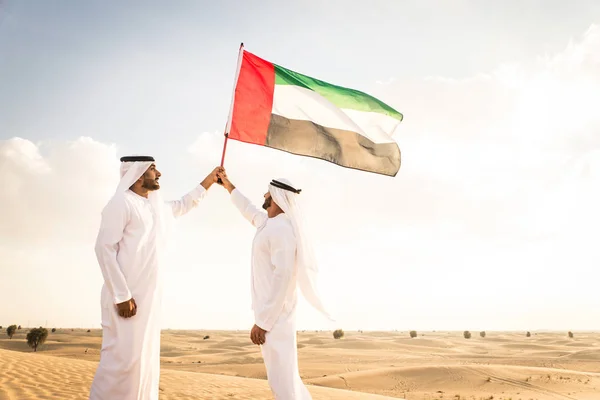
(206, 337)
(482, 333)
(10, 331)
(0, 327)
(89, 330)
(19, 328)
(36, 337)
(338, 334)
(413, 334)
(528, 334)
(571, 334)
(53, 330)
(467, 334)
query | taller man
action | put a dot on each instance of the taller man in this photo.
(130, 247)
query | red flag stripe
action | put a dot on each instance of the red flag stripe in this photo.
(253, 100)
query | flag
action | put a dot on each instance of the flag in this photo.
(278, 108)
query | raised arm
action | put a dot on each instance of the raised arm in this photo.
(254, 215)
(190, 200)
(114, 219)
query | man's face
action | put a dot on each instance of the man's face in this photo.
(268, 201)
(150, 178)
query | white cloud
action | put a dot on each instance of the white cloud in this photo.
(55, 195)
(506, 140)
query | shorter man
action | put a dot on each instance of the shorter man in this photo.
(281, 259)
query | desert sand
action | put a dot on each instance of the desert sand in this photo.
(362, 365)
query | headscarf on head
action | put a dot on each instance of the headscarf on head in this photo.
(286, 197)
(132, 168)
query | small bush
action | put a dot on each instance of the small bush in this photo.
(206, 337)
(528, 334)
(10, 331)
(413, 334)
(89, 331)
(36, 337)
(0, 327)
(571, 334)
(482, 333)
(19, 328)
(53, 330)
(338, 334)
(467, 334)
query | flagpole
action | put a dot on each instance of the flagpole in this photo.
(224, 146)
(228, 125)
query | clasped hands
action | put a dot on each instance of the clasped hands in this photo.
(217, 174)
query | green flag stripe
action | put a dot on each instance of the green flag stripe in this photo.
(340, 96)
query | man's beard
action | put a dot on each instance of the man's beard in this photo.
(267, 203)
(150, 184)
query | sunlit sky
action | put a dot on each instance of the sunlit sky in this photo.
(491, 223)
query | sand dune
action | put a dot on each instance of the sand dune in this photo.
(25, 376)
(433, 366)
(486, 381)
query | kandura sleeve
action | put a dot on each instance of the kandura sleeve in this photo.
(188, 202)
(114, 219)
(255, 216)
(283, 257)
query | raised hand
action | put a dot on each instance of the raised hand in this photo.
(211, 178)
(225, 182)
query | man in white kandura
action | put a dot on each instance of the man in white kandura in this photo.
(130, 249)
(282, 259)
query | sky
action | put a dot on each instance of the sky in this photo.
(491, 223)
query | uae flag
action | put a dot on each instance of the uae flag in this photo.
(282, 109)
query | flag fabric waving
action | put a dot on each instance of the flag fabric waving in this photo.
(275, 107)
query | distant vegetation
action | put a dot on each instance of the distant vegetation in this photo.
(467, 334)
(206, 337)
(413, 334)
(53, 330)
(10, 331)
(338, 334)
(482, 333)
(571, 334)
(19, 328)
(528, 334)
(36, 337)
